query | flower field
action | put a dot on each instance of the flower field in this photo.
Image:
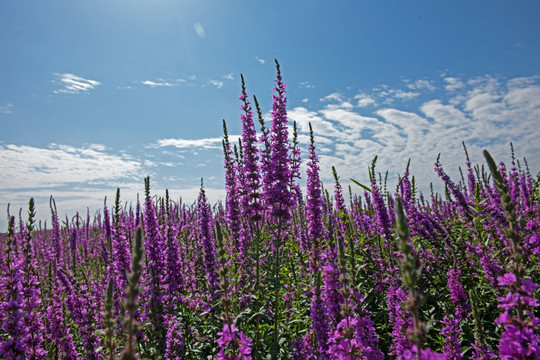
(279, 271)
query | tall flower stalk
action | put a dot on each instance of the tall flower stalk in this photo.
(132, 304)
(520, 338)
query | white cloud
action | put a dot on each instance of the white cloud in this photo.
(453, 84)
(69, 202)
(262, 61)
(6, 109)
(73, 84)
(158, 83)
(333, 97)
(484, 112)
(364, 100)
(388, 94)
(307, 85)
(208, 143)
(446, 115)
(216, 83)
(33, 167)
(421, 84)
(229, 76)
(400, 94)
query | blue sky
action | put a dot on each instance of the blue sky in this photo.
(95, 95)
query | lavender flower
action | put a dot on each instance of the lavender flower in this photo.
(278, 178)
(31, 293)
(174, 339)
(450, 332)
(207, 241)
(121, 256)
(251, 186)
(231, 338)
(457, 294)
(232, 207)
(520, 338)
(353, 339)
(458, 195)
(383, 219)
(399, 318)
(57, 329)
(57, 254)
(14, 340)
(155, 256)
(319, 319)
(425, 354)
(301, 349)
(332, 287)
(314, 206)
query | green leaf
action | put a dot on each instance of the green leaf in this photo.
(361, 185)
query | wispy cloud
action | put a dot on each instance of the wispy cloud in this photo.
(307, 85)
(453, 83)
(25, 166)
(332, 97)
(73, 84)
(421, 84)
(6, 109)
(229, 76)
(160, 82)
(216, 83)
(262, 61)
(207, 143)
(484, 112)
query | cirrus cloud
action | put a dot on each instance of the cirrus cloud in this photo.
(73, 84)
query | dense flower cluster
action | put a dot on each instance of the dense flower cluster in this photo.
(271, 273)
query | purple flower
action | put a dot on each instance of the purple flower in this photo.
(174, 280)
(232, 203)
(457, 294)
(302, 350)
(314, 207)
(173, 340)
(425, 354)
(233, 344)
(450, 332)
(399, 318)
(208, 241)
(458, 195)
(332, 287)
(520, 338)
(319, 321)
(482, 352)
(57, 253)
(383, 219)
(353, 339)
(519, 343)
(58, 332)
(155, 255)
(121, 253)
(14, 338)
(251, 184)
(277, 180)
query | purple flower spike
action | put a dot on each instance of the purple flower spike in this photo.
(233, 344)
(278, 178)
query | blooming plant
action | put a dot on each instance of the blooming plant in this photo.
(275, 273)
